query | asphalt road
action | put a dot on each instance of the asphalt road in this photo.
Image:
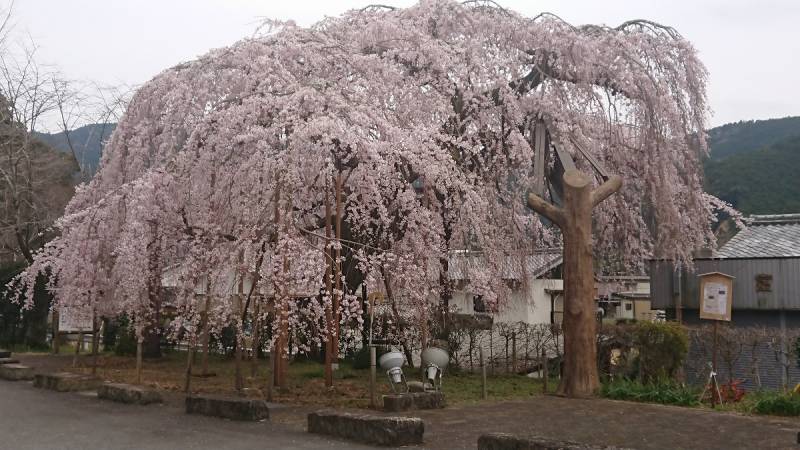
(38, 419)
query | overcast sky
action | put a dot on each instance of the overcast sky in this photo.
(751, 48)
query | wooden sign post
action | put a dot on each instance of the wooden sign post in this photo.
(716, 302)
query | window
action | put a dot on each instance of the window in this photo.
(478, 304)
(628, 307)
(764, 282)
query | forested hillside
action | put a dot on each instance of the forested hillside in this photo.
(754, 165)
(747, 136)
(87, 141)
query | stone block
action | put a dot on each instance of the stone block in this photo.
(66, 382)
(413, 400)
(9, 361)
(377, 430)
(418, 386)
(128, 393)
(5, 353)
(503, 441)
(16, 372)
(229, 408)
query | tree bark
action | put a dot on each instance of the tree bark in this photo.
(581, 377)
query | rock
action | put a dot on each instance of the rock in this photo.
(127, 393)
(5, 353)
(229, 408)
(9, 361)
(66, 382)
(503, 441)
(378, 430)
(16, 372)
(414, 400)
(418, 386)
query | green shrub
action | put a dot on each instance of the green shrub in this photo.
(662, 349)
(774, 403)
(665, 391)
(361, 357)
(125, 339)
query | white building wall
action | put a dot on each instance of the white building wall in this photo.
(529, 303)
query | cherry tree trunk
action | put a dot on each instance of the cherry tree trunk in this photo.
(580, 324)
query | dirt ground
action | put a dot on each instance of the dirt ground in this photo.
(593, 421)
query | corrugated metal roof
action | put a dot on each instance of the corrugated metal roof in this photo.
(764, 241)
(461, 264)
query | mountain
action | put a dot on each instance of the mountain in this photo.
(87, 141)
(747, 136)
(754, 165)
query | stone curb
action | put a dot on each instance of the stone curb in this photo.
(16, 372)
(378, 430)
(229, 408)
(413, 400)
(128, 393)
(503, 441)
(66, 382)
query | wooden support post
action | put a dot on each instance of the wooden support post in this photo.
(337, 269)
(514, 352)
(545, 371)
(715, 388)
(581, 378)
(95, 343)
(484, 394)
(372, 376)
(187, 382)
(78, 346)
(491, 349)
(256, 338)
(271, 373)
(237, 366)
(139, 360)
(56, 334)
(206, 339)
(329, 311)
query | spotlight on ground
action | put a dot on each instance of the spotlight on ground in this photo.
(392, 363)
(434, 360)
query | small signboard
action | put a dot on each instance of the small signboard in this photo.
(716, 296)
(74, 320)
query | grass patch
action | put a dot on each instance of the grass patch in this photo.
(305, 379)
(460, 387)
(663, 392)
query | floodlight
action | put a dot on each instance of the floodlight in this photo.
(434, 360)
(392, 363)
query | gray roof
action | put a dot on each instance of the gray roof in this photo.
(535, 265)
(767, 239)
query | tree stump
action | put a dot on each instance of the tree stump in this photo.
(581, 377)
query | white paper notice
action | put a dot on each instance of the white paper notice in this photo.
(71, 319)
(716, 299)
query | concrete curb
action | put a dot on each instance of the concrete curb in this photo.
(377, 430)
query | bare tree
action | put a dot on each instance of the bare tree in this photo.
(35, 181)
(754, 339)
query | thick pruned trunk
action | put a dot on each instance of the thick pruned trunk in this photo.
(581, 378)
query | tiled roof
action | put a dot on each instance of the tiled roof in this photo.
(764, 240)
(461, 264)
